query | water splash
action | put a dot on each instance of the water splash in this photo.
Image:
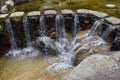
(107, 32)
(96, 25)
(27, 32)
(11, 34)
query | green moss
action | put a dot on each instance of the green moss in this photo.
(98, 5)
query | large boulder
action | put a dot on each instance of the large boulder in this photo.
(105, 66)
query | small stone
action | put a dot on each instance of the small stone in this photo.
(34, 13)
(67, 11)
(3, 15)
(48, 12)
(4, 9)
(17, 14)
(110, 5)
(113, 20)
(9, 2)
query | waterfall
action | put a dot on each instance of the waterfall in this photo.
(107, 32)
(11, 34)
(60, 27)
(42, 25)
(76, 25)
(27, 32)
(96, 25)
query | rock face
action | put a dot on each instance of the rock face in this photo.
(105, 66)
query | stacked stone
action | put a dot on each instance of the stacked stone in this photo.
(4, 40)
(68, 19)
(88, 17)
(33, 22)
(50, 16)
(16, 19)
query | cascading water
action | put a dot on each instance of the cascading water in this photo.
(65, 48)
(11, 34)
(42, 26)
(76, 25)
(107, 32)
(27, 32)
(96, 25)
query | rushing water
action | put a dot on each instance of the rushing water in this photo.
(27, 32)
(96, 25)
(42, 25)
(11, 34)
(107, 32)
(66, 49)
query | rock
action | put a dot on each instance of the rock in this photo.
(46, 45)
(104, 66)
(95, 13)
(3, 16)
(113, 20)
(48, 12)
(4, 9)
(17, 14)
(82, 53)
(34, 13)
(9, 2)
(110, 5)
(67, 11)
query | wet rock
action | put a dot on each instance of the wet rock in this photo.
(9, 2)
(95, 13)
(82, 53)
(110, 6)
(34, 13)
(116, 42)
(3, 16)
(67, 11)
(46, 45)
(49, 12)
(113, 20)
(104, 66)
(17, 14)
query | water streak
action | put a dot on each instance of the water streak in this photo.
(27, 32)
(11, 34)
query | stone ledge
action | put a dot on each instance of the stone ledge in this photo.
(49, 12)
(17, 14)
(113, 20)
(3, 16)
(34, 13)
(95, 13)
(67, 11)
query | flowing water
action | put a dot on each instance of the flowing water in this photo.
(96, 25)
(66, 50)
(11, 34)
(27, 32)
(107, 32)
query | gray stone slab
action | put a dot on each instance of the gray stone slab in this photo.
(34, 13)
(48, 12)
(67, 11)
(3, 16)
(95, 13)
(113, 20)
(17, 14)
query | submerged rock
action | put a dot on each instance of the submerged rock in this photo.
(104, 66)
(46, 45)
